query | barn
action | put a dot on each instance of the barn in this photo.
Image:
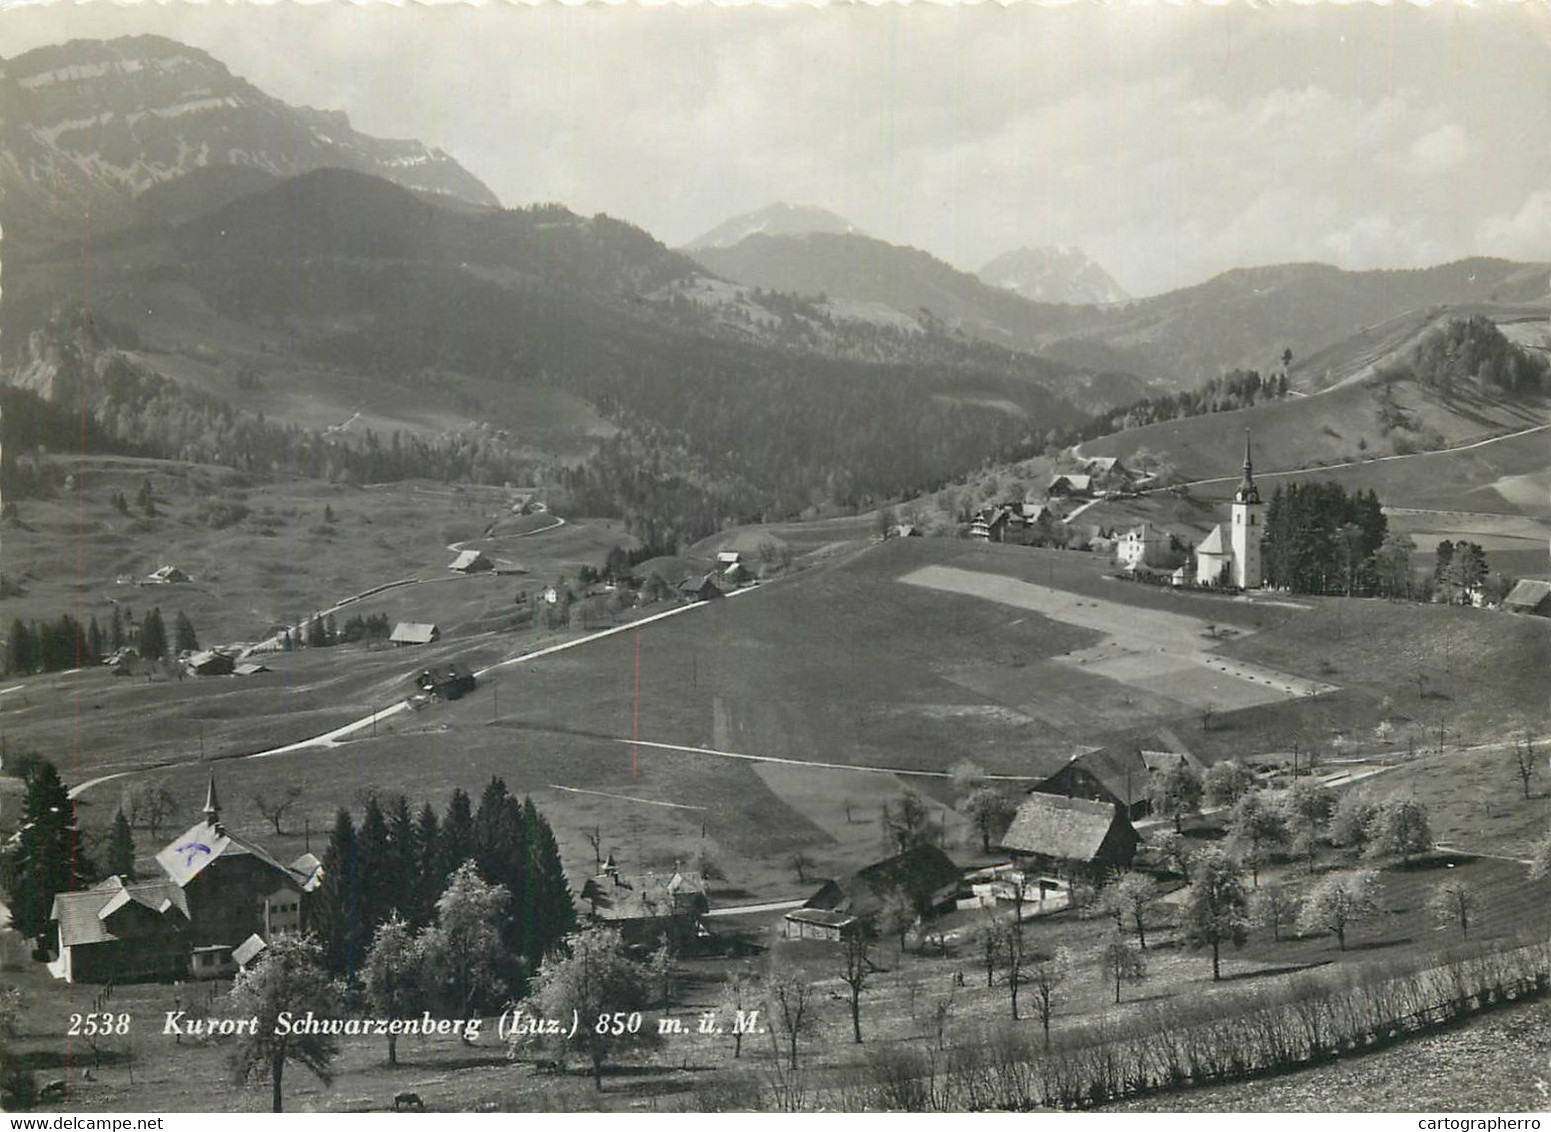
(1072, 837)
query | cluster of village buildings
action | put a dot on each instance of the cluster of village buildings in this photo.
(219, 896)
(1228, 556)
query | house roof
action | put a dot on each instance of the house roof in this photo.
(248, 950)
(250, 669)
(922, 872)
(1527, 594)
(1074, 479)
(1072, 829)
(414, 633)
(468, 560)
(308, 866)
(1214, 543)
(211, 659)
(186, 857)
(822, 917)
(1120, 769)
(727, 557)
(84, 916)
(1101, 465)
(651, 896)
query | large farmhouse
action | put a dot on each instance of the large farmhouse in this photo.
(1071, 837)
(217, 892)
(1118, 775)
(646, 909)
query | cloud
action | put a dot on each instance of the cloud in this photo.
(1440, 150)
(1524, 234)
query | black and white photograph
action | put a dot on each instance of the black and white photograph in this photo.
(775, 558)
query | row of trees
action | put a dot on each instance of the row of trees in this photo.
(53, 646)
(1320, 539)
(398, 862)
(1237, 389)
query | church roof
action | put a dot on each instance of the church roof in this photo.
(1214, 543)
(186, 857)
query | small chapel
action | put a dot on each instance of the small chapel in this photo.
(1230, 554)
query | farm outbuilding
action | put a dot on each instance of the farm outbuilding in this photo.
(1071, 836)
(414, 633)
(165, 576)
(448, 682)
(210, 663)
(1529, 596)
(471, 562)
(926, 876)
(816, 923)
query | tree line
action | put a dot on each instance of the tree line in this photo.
(397, 862)
(64, 643)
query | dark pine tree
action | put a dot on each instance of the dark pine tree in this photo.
(430, 875)
(457, 835)
(403, 858)
(153, 636)
(377, 882)
(121, 848)
(44, 858)
(551, 909)
(336, 906)
(183, 637)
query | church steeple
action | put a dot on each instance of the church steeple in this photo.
(212, 805)
(1248, 492)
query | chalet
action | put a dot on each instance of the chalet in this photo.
(166, 576)
(699, 588)
(216, 891)
(991, 524)
(926, 876)
(1529, 596)
(1116, 775)
(1070, 485)
(210, 663)
(447, 682)
(1071, 836)
(471, 562)
(1107, 472)
(646, 909)
(414, 633)
(726, 558)
(117, 932)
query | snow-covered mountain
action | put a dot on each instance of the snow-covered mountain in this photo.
(1054, 274)
(773, 220)
(90, 124)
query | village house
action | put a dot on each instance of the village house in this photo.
(471, 562)
(925, 875)
(647, 909)
(1529, 596)
(210, 663)
(446, 682)
(1070, 485)
(1145, 547)
(414, 633)
(217, 892)
(1071, 837)
(1116, 775)
(166, 576)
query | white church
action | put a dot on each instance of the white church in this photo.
(1230, 555)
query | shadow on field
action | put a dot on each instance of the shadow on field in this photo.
(1268, 972)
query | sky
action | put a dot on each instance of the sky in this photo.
(1168, 142)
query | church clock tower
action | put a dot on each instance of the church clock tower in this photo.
(1248, 527)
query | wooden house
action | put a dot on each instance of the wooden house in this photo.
(1072, 837)
(925, 875)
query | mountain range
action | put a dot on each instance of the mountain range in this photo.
(783, 360)
(1053, 274)
(88, 125)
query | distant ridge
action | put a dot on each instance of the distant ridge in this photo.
(773, 220)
